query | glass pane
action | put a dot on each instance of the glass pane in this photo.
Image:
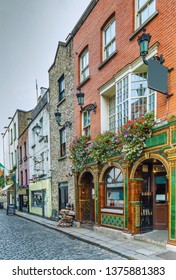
(141, 3)
(152, 7)
(144, 15)
(138, 107)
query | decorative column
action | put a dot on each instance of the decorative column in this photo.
(171, 155)
(134, 205)
(96, 195)
(77, 215)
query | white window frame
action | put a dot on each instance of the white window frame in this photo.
(84, 65)
(86, 127)
(138, 11)
(109, 88)
(112, 40)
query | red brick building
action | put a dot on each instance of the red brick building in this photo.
(110, 71)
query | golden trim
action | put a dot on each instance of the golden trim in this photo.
(152, 156)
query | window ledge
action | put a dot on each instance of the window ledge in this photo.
(61, 158)
(107, 60)
(113, 211)
(83, 82)
(143, 25)
(60, 102)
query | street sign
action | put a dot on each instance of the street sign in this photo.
(157, 76)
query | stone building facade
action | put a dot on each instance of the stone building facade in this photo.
(61, 87)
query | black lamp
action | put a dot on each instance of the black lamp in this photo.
(143, 42)
(89, 107)
(58, 120)
(80, 97)
(37, 129)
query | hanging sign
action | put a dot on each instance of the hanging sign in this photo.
(157, 76)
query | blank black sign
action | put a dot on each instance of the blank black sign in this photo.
(157, 76)
(11, 209)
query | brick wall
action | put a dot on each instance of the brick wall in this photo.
(162, 29)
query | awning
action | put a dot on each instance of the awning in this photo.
(6, 188)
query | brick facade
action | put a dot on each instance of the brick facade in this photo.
(160, 27)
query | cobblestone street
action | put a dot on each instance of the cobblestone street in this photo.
(22, 239)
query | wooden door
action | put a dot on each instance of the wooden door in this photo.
(160, 203)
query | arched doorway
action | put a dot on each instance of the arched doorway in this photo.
(86, 198)
(154, 185)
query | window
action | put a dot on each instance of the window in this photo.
(21, 178)
(37, 199)
(20, 154)
(11, 136)
(86, 123)
(26, 177)
(12, 160)
(61, 85)
(63, 195)
(133, 99)
(112, 126)
(144, 9)
(42, 162)
(25, 150)
(109, 39)
(62, 142)
(14, 131)
(114, 188)
(84, 65)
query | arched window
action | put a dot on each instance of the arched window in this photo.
(114, 188)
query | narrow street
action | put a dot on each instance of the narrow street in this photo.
(22, 239)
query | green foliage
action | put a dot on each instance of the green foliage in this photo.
(134, 134)
(104, 146)
(130, 142)
(79, 152)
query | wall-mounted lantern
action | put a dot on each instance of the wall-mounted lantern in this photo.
(157, 73)
(143, 42)
(37, 129)
(89, 107)
(58, 120)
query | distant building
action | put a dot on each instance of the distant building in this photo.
(39, 158)
(16, 126)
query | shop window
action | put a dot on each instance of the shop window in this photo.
(84, 65)
(144, 9)
(86, 123)
(63, 142)
(109, 39)
(61, 85)
(63, 195)
(37, 200)
(114, 188)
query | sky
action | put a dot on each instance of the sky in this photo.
(29, 34)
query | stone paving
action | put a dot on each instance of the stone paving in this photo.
(23, 239)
